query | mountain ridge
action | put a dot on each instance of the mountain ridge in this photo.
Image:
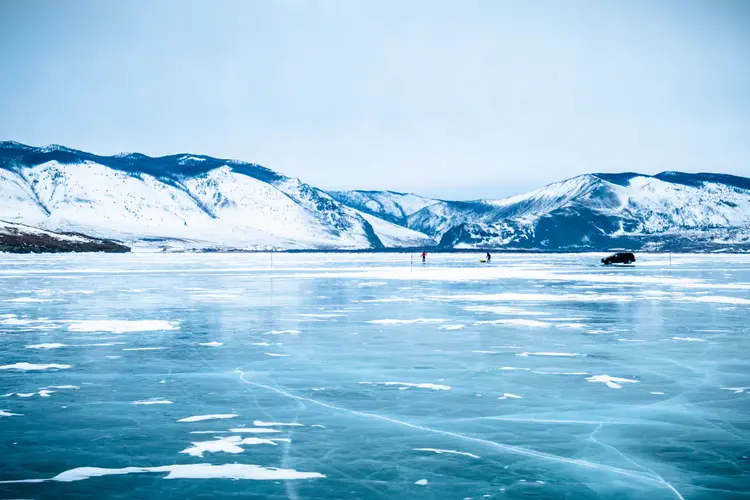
(202, 201)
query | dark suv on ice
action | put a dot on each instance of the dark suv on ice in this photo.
(619, 258)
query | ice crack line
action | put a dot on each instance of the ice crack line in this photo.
(517, 450)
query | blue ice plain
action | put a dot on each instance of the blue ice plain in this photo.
(363, 376)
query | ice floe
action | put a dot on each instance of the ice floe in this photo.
(612, 382)
(452, 452)
(24, 366)
(199, 418)
(184, 471)
(421, 482)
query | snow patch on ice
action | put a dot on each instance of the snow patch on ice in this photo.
(45, 346)
(184, 471)
(452, 452)
(559, 354)
(515, 322)
(407, 385)
(199, 418)
(507, 395)
(405, 321)
(228, 444)
(24, 366)
(122, 326)
(260, 423)
(152, 401)
(612, 382)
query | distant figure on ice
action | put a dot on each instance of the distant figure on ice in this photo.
(489, 257)
(424, 256)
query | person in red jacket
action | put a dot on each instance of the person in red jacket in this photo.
(424, 256)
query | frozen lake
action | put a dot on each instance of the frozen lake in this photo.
(359, 376)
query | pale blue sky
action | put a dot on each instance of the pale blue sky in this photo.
(460, 99)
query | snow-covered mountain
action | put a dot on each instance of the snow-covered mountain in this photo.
(671, 210)
(387, 205)
(191, 199)
(200, 201)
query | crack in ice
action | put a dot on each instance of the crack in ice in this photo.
(518, 450)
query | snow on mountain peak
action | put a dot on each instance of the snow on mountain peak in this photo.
(222, 202)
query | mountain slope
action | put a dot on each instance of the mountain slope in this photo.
(387, 205)
(599, 211)
(200, 200)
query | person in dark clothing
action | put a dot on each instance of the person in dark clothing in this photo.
(488, 257)
(424, 256)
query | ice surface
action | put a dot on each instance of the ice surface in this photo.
(542, 376)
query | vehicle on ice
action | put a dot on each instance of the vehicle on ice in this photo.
(619, 258)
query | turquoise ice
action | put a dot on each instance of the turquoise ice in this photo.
(369, 376)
